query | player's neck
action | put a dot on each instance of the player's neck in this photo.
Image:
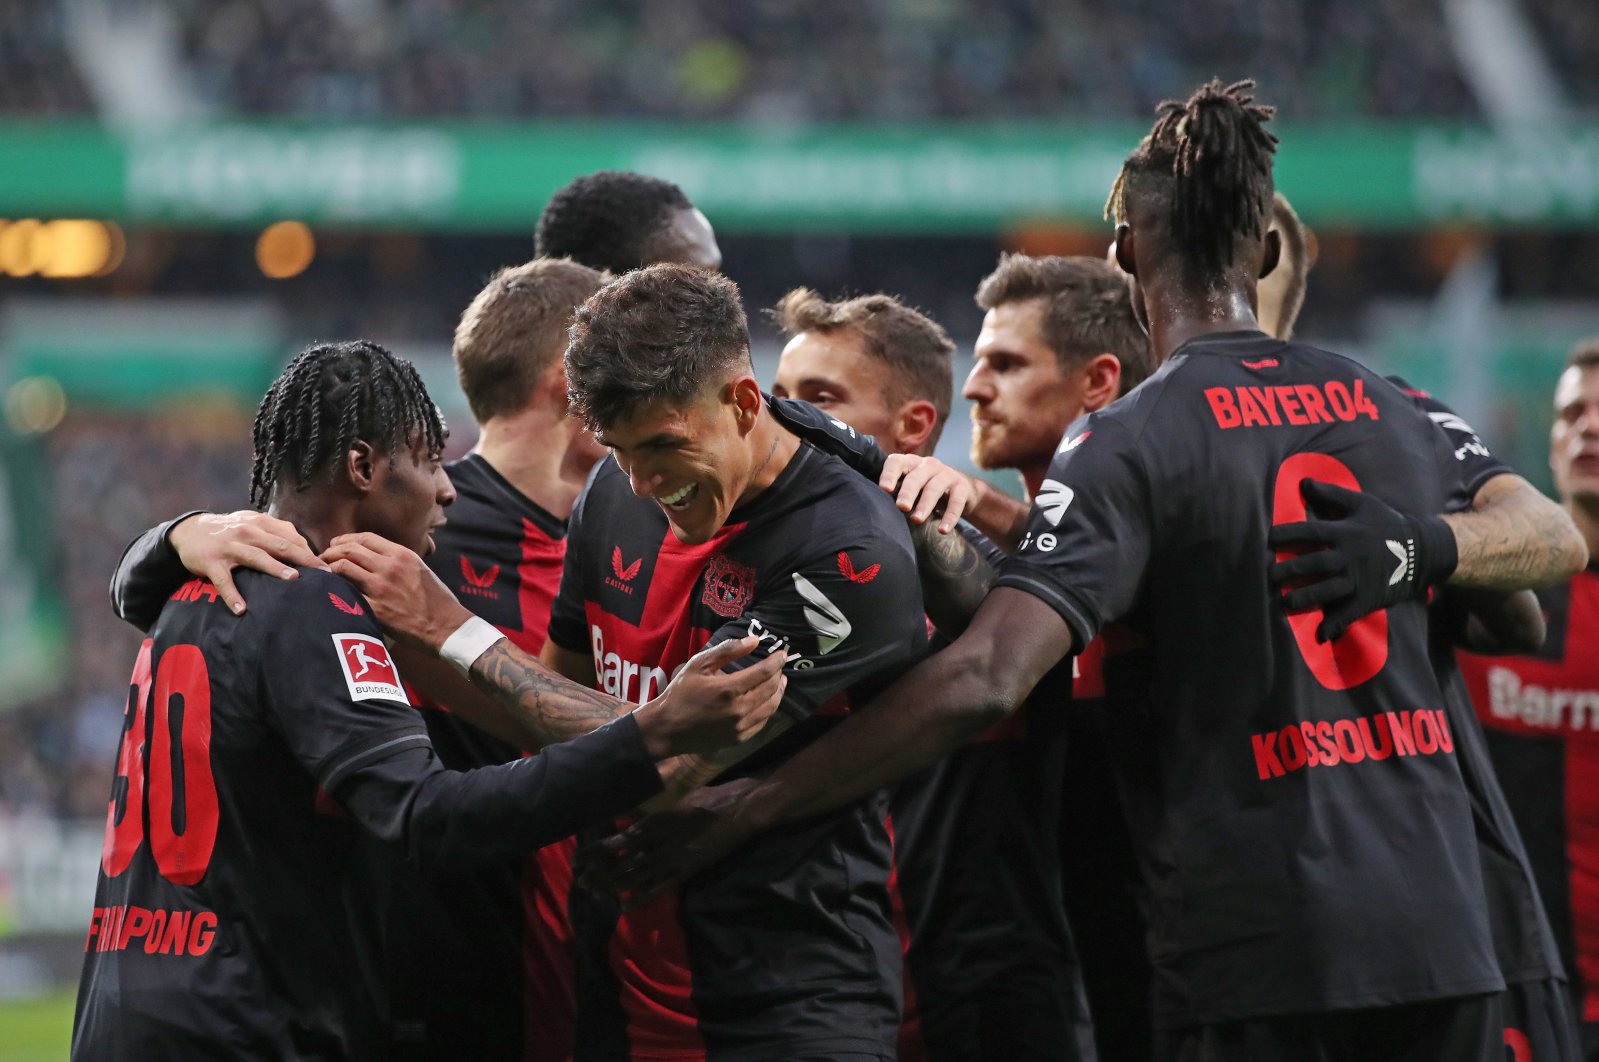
(1177, 315)
(1033, 473)
(1585, 514)
(771, 449)
(534, 450)
(319, 518)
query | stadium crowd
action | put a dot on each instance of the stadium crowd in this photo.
(883, 60)
(112, 474)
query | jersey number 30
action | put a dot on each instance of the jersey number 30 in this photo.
(179, 788)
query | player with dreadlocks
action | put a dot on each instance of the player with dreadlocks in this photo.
(1298, 813)
(231, 917)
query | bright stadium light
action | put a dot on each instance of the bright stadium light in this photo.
(285, 249)
(76, 247)
(63, 249)
(35, 405)
(19, 247)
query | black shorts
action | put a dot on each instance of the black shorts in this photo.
(1460, 1029)
(1540, 1023)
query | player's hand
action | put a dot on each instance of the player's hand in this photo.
(704, 709)
(1371, 556)
(830, 435)
(406, 597)
(211, 545)
(921, 485)
(660, 852)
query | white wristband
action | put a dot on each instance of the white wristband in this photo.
(469, 641)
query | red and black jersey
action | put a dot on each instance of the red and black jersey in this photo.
(233, 915)
(786, 949)
(991, 968)
(481, 964)
(1541, 714)
(1303, 830)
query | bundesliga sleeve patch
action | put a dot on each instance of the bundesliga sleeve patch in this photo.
(368, 671)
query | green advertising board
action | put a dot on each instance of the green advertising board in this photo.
(954, 178)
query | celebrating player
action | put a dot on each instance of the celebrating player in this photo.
(1539, 708)
(1537, 1014)
(1273, 861)
(710, 521)
(615, 221)
(484, 965)
(990, 964)
(229, 919)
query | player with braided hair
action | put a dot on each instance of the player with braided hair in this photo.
(1299, 816)
(330, 397)
(258, 747)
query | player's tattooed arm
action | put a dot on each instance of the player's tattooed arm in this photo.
(531, 705)
(544, 707)
(706, 713)
(1513, 537)
(955, 577)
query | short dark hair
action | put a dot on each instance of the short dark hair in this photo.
(915, 349)
(1585, 355)
(331, 396)
(662, 333)
(1208, 159)
(608, 220)
(1296, 247)
(1087, 309)
(515, 329)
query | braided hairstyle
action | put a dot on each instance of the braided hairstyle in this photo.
(331, 396)
(1210, 159)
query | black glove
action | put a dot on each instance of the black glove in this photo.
(1374, 556)
(830, 435)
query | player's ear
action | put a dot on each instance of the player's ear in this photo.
(1274, 251)
(1122, 250)
(1102, 379)
(913, 424)
(360, 466)
(744, 392)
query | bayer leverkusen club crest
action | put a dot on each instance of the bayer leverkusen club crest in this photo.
(729, 586)
(368, 671)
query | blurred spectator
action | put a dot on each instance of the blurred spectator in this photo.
(112, 475)
(36, 75)
(824, 60)
(797, 60)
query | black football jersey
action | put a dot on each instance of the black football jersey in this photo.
(232, 916)
(1304, 832)
(789, 945)
(1523, 936)
(991, 967)
(480, 963)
